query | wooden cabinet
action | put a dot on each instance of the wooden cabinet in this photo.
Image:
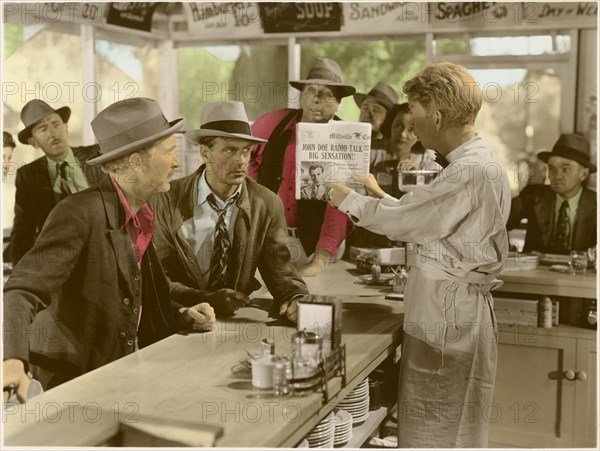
(545, 392)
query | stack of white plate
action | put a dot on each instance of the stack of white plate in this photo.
(343, 428)
(357, 402)
(322, 435)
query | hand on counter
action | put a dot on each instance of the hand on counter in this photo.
(200, 317)
(13, 374)
(226, 301)
(317, 264)
(290, 310)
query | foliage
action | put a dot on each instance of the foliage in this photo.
(13, 39)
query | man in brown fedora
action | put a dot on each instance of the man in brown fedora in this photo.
(561, 217)
(215, 227)
(40, 185)
(374, 108)
(92, 289)
(319, 228)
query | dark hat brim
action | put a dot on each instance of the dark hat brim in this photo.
(569, 155)
(195, 135)
(24, 135)
(343, 89)
(360, 97)
(174, 126)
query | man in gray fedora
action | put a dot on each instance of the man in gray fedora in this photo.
(92, 289)
(374, 108)
(561, 217)
(215, 227)
(41, 184)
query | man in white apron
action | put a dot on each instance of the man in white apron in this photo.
(457, 225)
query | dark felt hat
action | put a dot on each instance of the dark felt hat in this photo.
(129, 125)
(573, 147)
(325, 72)
(381, 92)
(34, 111)
(224, 120)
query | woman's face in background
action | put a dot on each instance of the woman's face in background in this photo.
(402, 135)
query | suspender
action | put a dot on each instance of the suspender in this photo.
(271, 169)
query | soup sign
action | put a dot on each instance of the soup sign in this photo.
(300, 17)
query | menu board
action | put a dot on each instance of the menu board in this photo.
(237, 20)
(300, 17)
(136, 15)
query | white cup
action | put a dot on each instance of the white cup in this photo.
(262, 372)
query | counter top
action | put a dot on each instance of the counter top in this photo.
(193, 380)
(545, 282)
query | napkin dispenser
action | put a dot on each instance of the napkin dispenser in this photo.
(323, 316)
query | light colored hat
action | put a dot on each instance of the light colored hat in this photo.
(224, 120)
(128, 125)
(34, 111)
(325, 72)
(382, 92)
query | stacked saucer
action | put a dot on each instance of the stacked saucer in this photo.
(357, 402)
(343, 428)
(322, 434)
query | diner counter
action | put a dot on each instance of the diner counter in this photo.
(550, 283)
(188, 388)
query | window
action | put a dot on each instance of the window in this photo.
(253, 74)
(366, 63)
(124, 71)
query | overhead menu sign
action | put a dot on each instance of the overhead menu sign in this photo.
(560, 14)
(300, 17)
(388, 17)
(55, 12)
(223, 19)
(137, 15)
(468, 15)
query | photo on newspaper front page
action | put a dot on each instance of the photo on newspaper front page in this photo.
(331, 152)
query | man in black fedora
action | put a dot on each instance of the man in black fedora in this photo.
(92, 288)
(320, 229)
(561, 216)
(374, 108)
(216, 227)
(41, 184)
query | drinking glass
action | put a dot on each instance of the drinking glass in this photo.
(579, 262)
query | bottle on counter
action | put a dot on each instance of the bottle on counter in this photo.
(545, 313)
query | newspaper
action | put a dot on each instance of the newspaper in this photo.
(331, 153)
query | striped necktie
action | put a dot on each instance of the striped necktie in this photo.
(560, 240)
(61, 169)
(221, 245)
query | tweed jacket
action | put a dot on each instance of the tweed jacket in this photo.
(536, 203)
(72, 303)
(34, 198)
(259, 241)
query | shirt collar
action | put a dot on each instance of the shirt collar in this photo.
(463, 148)
(69, 158)
(204, 190)
(573, 201)
(131, 215)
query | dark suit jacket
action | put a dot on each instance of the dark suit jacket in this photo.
(34, 198)
(536, 203)
(72, 303)
(259, 241)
